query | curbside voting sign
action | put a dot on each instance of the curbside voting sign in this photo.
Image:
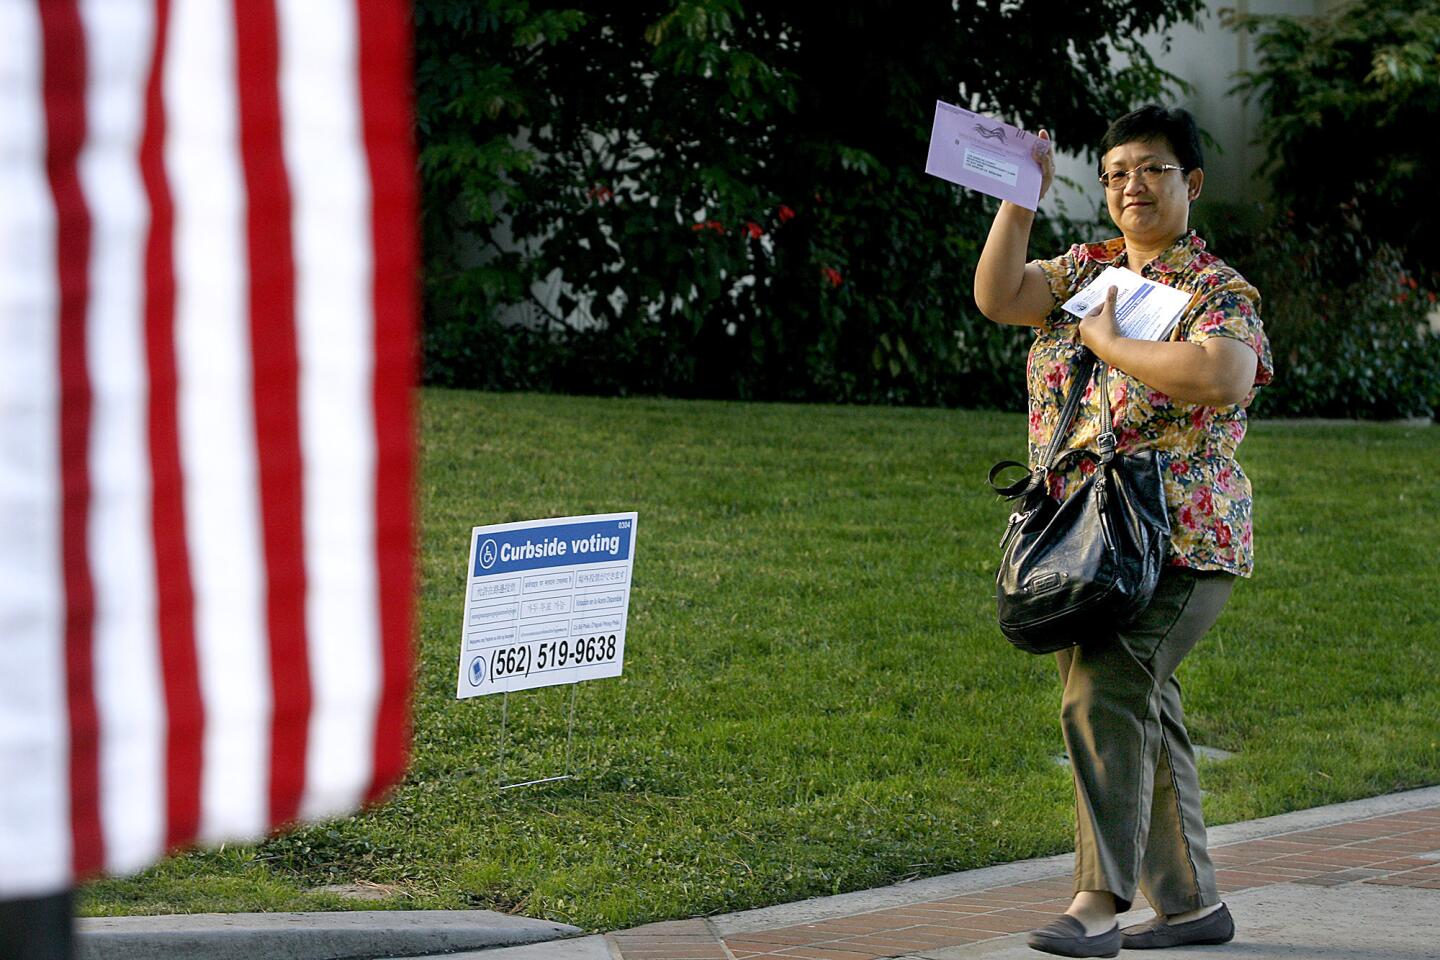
(546, 603)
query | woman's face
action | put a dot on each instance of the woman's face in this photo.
(1150, 210)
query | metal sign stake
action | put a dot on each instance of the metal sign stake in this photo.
(569, 773)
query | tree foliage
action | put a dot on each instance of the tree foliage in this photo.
(1349, 100)
(730, 198)
(1344, 263)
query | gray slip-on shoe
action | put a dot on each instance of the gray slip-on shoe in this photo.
(1065, 937)
(1218, 927)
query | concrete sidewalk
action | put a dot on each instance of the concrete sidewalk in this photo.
(1354, 881)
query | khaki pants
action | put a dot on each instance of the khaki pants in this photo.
(1137, 819)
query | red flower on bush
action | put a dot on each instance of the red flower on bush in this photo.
(600, 193)
(833, 276)
(715, 225)
(786, 214)
(753, 228)
(1403, 296)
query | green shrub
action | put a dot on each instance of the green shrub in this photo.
(1347, 97)
(1347, 324)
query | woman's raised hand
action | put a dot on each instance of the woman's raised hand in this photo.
(1044, 154)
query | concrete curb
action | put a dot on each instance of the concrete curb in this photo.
(594, 947)
(969, 881)
(308, 936)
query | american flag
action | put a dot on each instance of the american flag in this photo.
(207, 355)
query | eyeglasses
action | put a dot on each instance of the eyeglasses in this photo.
(1150, 174)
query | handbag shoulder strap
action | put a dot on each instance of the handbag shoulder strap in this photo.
(1087, 362)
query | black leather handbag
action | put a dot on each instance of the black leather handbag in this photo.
(1073, 570)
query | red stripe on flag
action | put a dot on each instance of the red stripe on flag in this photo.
(65, 129)
(174, 592)
(385, 80)
(276, 388)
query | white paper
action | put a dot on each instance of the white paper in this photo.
(1144, 309)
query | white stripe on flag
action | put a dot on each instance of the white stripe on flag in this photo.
(35, 838)
(128, 693)
(217, 427)
(325, 161)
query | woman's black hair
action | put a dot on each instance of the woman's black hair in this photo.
(1154, 122)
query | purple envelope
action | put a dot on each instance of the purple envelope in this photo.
(983, 154)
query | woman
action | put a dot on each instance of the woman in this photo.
(1138, 820)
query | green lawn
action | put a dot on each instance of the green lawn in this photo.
(815, 697)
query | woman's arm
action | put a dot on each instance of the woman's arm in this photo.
(1007, 290)
(1216, 373)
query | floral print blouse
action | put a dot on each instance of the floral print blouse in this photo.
(1207, 492)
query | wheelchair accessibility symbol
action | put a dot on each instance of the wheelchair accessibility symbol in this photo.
(477, 671)
(488, 554)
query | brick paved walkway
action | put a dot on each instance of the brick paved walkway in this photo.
(1399, 849)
